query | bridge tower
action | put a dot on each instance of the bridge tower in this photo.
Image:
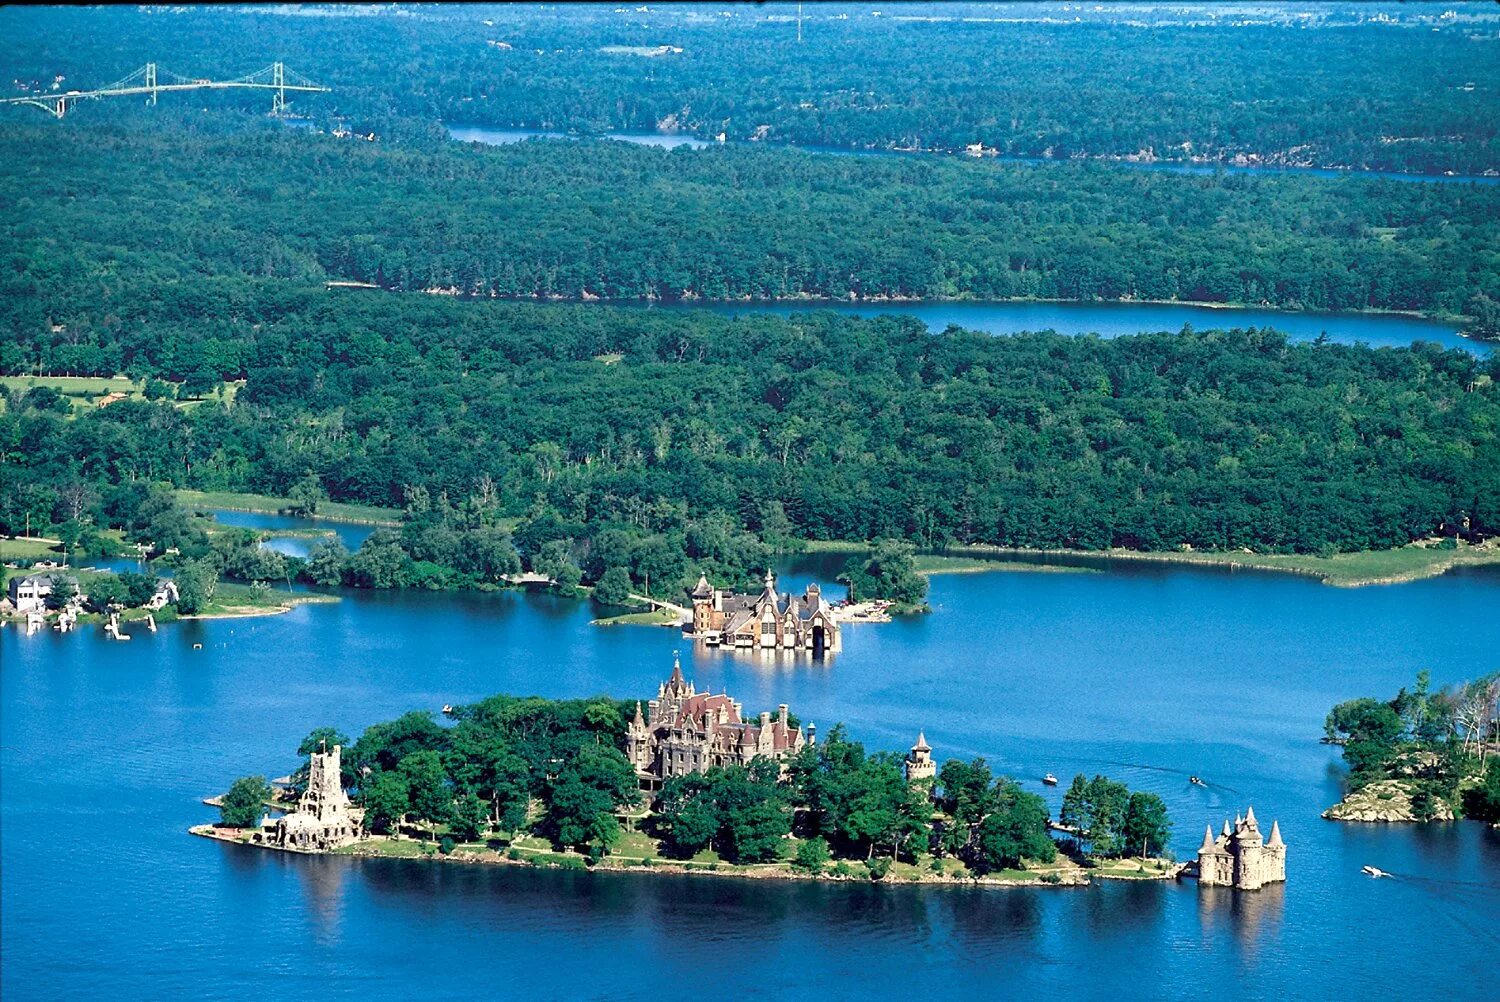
(151, 80)
(278, 80)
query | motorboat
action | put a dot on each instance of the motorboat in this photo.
(447, 710)
(1373, 871)
(1196, 781)
(1049, 779)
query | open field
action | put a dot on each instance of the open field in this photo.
(84, 393)
(332, 510)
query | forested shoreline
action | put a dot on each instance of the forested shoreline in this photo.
(612, 221)
(1310, 86)
(591, 437)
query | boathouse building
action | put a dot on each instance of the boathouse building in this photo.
(768, 620)
(1240, 858)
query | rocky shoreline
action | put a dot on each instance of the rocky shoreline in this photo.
(1070, 875)
(1385, 802)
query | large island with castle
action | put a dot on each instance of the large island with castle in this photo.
(686, 744)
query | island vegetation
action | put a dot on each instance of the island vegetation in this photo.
(546, 782)
(1423, 756)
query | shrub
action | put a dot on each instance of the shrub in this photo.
(445, 846)
(812, 855)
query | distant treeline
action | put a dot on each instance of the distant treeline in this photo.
(1319, 86)
(707, 438)
(107, 222)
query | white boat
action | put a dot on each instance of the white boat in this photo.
(1374, 871)
(1049, 779)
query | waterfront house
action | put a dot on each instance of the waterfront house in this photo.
(31, 592)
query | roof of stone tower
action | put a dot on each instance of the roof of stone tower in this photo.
(639, 719)
(1226, 827)
(677, 678)
(921, 744)
(1275, 841)
(703, 589)
(1208, 839)
(1250, 818)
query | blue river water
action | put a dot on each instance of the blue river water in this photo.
(1146, 673)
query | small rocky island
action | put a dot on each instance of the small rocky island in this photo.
(687, 782)
(1422, 756)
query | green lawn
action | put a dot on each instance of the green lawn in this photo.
(30, 550)
(653, 617)
(332, 510)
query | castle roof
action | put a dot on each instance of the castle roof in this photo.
(1208, 839)
(1250, 818)
(703, 589)
(1275, 841)
(921, 744)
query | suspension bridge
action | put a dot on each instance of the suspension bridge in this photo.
(151, 80)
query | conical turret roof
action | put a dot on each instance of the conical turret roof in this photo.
(703, 589)
(1275, 840)
(1250, 818)
(921, 744)
(1208, 839)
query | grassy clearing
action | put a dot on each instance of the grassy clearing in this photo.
(653, 617)
(332, 510)
(232, 599)
(85, 393)
(1133, 868)
(25, 549)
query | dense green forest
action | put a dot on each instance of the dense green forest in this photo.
(1296, 83)
(682, 430)
(106, 222)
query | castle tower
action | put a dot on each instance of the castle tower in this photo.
(637, 741)
(919, 764)
(325, 818)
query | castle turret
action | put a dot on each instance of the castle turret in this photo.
(1275, 841)
(919, 764)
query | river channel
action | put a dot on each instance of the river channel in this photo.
(1146, 673)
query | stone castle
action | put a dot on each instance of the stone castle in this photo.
(688, 731)
(1239, 858)
(724, 618)
(325, 818)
